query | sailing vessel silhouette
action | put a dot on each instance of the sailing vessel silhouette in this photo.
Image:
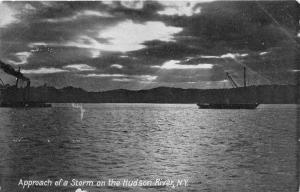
(227, 104)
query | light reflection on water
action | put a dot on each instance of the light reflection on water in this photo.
(217, 150)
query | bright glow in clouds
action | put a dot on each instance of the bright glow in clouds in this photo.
(43, 70)
(129, 36)
(225, 56)
(141, 78)
(145, 77)
(29, 7)
(180, 8)
(123, 37)
(263, 53)
(32, 45)
(116, 66)
(104, 75)
(86, 13)
(6, 15)
(173, 64)
(22, 58)
(132, 4)
(83, 42)
(80, 67)
(209, 57)
(123, 77)
(233, 55)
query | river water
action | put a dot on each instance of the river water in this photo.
(213, 150)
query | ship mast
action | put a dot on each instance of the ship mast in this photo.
(234, 84)
(245, 83)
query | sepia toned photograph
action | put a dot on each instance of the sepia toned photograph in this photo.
(149, 96)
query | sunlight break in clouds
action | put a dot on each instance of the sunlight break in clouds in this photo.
(263, 53)
(116, 66)
(104, 75)
(145, 77)
(225, 56)
(129, 36)
(138, 78)
(132, 4)
(174, 64)
(180, 8)
(83, 42)
(80, 67)
(22, 58)
(85, 13)
(6, 15)
(123, 77)
(233, 55)
(43, 70)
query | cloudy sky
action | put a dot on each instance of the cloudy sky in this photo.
(144, 44)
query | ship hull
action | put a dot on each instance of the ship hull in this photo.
(25, 105)
(227, 106)
(12, 97)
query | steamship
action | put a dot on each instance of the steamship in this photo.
(17, 95)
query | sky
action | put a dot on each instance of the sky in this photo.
(106, 45)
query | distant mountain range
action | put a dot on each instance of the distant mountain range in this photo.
(262, 94)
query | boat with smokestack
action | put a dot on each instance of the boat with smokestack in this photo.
(227, 104)
(17, 96)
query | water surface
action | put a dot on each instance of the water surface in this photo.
(216, 150)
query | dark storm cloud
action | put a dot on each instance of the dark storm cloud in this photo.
(224, 27)
(242, 25)
(167, 50)
(138, 44)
